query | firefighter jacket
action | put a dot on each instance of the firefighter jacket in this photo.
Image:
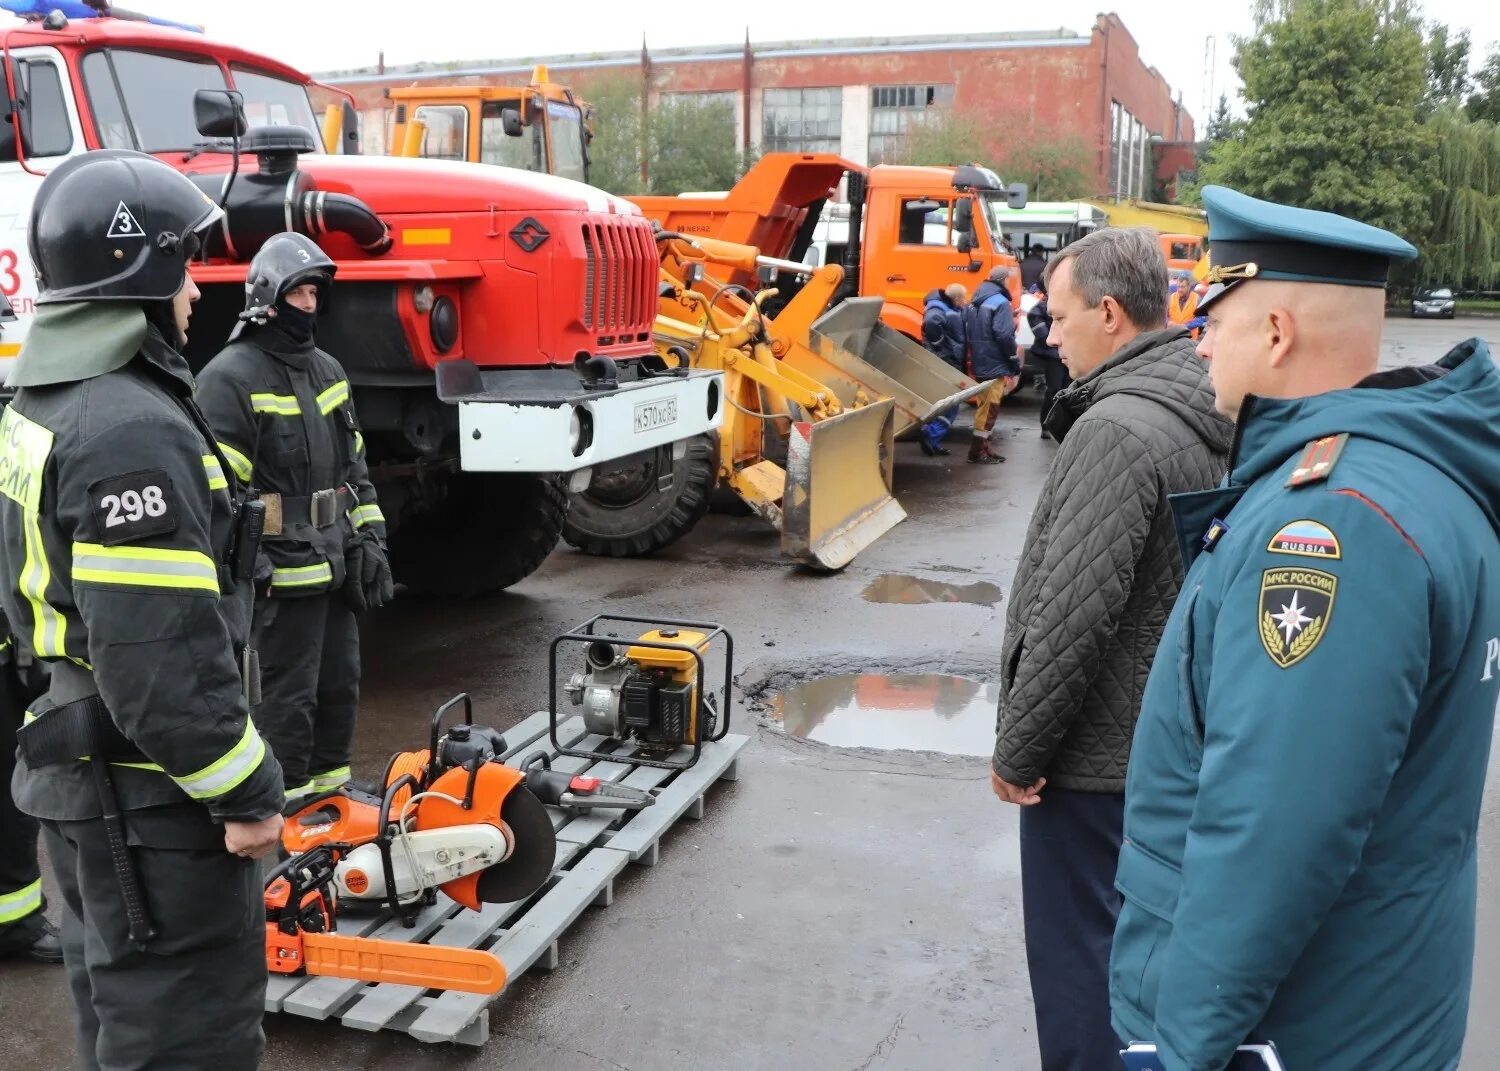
(115, 522)
(284, 418)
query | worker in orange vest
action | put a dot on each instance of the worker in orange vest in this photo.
(1182, 305)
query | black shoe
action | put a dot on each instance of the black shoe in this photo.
(45, 948)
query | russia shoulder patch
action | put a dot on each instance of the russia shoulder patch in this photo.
(1307, 538)
(1296, 605)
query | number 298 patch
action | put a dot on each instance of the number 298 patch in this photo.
(134, 506)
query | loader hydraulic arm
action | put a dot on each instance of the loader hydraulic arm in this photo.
(747, 347)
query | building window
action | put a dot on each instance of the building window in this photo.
(1129, 154)
(894, 110)
(801, 120)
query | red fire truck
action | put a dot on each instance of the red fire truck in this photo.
(495, 324)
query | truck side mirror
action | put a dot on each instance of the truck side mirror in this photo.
(1015, 195)
(219, 113)
(966, 243)
(351, 130)
(510, 122)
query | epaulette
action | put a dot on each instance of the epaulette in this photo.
(1317, 460)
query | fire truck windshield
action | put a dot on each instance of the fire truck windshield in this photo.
(144, 100)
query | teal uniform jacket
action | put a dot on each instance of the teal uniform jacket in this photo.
(1303, 796)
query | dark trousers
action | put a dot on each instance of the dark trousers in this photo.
(1070, 846)
(21, 900)
(309, 670)
(193, 998)
(1056, 375)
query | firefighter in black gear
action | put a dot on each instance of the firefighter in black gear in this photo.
(282, 411)
(25, 932)
(118, 556)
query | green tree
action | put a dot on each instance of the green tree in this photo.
(952, 136)
(1464, 245)
(692, 145)
(615, 151)
(1447, 65)
(1333, 91)
(1484, 101)
(1057, 166)
(1223, 126)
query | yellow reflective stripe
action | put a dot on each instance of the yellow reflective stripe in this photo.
(333, 397)
(359, 443)
(302, 576)
(237, 461)
(301, 790)
(367, 514)
(217, 481)
(151, 567)
(276, 404)
(238, 763)
(49, 636)
(15, 906)
(331, 779)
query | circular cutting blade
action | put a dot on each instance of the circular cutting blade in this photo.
(531, 861)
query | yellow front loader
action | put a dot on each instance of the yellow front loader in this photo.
(816, 398)
(815, 465)
(804, 446)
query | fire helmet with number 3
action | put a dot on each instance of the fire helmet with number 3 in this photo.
(116, 225)
(285, 262)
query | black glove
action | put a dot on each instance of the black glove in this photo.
(367, 580)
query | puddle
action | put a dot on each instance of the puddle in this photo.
(913, 590)
(951, 715)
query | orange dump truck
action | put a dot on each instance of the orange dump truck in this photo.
(907, 231)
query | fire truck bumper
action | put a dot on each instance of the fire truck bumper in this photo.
(535, 422)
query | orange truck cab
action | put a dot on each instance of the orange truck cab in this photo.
(1183, 251)
(539, 127)
(904, 232)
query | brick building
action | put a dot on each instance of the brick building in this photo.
(858, 96)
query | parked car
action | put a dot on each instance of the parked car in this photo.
(1433, 301)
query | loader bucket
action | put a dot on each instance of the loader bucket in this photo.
(849, 349)
(837, 499)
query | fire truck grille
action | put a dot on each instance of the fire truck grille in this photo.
(619, 282)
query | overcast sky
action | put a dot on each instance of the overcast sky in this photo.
(323, 35)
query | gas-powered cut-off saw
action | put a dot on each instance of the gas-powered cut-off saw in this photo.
(453, 819)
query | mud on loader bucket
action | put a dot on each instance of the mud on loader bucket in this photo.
(850, 350)
(837, 499)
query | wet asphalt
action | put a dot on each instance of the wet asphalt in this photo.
(837, 908)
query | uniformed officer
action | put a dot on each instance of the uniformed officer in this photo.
(25, 932)
(117, 566)
(1304, 788)
(284, 418)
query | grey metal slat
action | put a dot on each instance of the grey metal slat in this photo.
(451, 1012)
(647, 826)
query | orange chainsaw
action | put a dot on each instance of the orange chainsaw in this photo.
(452, 819)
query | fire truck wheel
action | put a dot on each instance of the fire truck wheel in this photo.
(491, 531)
(644, 502)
